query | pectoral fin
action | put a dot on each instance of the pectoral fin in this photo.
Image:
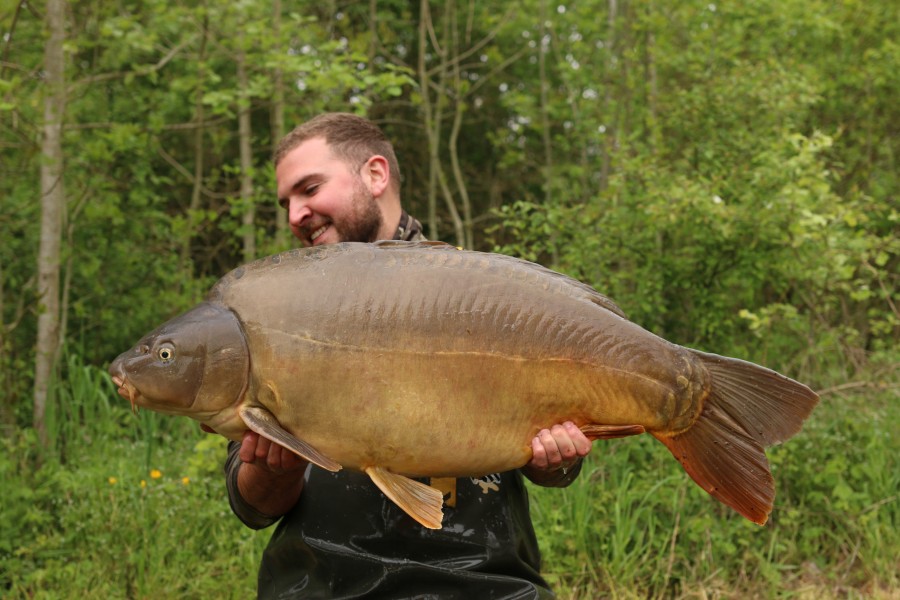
(608, 432)
(421, 502)
(265, 424)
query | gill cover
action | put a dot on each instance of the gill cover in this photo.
(195, 363)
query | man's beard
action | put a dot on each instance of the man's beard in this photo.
(366, 220)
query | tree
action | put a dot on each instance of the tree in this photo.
(53, 204)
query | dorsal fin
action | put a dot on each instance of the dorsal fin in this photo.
(587, 291)
(421, 244)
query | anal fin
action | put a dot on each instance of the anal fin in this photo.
(608, 432)
(261, 421)
(421, 502)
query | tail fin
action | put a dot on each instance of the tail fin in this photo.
(748, 408)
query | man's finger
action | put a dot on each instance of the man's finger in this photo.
(247, 452)
(582, 444)
(554, 457)
(565, 444)
(539, 455)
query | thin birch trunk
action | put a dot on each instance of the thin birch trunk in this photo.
(467, 233)
(52, 209)
(281, 225)
(197, 187)
(424, 85)
(543, 48)
(608, 117)
(249, 215)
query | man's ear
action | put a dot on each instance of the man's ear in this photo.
(376, 173)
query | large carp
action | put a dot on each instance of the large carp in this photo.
(417, 359)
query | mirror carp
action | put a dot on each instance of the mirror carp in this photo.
(417, 359)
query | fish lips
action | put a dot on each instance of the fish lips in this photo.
(124, 388)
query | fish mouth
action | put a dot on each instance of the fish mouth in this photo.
(126, 390)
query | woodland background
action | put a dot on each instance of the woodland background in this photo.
(726, 171)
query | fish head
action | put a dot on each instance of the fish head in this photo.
(196, 364)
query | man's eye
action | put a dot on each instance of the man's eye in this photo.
(311, 190)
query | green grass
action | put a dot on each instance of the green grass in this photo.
(88, 518)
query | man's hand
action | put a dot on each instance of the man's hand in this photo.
(260, 452)
(555, 452)
(271, 477)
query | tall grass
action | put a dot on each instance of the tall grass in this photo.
(134, 506)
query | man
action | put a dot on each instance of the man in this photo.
(339, 536)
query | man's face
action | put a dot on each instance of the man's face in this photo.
(327, 201)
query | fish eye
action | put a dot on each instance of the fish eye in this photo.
(166, 354)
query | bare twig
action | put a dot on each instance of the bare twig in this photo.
(190, 176)
(172, 127)
(854, 385)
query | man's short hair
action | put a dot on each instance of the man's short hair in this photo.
(352, 138)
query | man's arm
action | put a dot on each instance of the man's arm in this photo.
(557, 455)
(264, 480)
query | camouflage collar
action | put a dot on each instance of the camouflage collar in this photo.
(409, 229)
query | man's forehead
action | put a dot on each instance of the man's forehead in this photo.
(312, 150)
(307, 158)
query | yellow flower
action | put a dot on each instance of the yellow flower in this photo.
(113, 481)
(155, 473)
(185, 480)
(143, 483)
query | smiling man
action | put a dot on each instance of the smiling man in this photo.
(339, 537)
(336, 189)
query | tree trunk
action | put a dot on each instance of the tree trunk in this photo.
(546, 140)
(6, 410)
(468, 233)
(186, 265)
(249, 217)
(281, 224)
(434, 116)
(608, 82)
(653, 88)
(424, 82)
(52, 209)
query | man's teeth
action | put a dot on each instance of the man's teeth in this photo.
(318, 232)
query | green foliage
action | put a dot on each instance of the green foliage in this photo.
(702, 184)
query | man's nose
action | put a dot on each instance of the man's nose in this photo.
(298, 212)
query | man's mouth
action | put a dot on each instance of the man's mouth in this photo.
(315, 234)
